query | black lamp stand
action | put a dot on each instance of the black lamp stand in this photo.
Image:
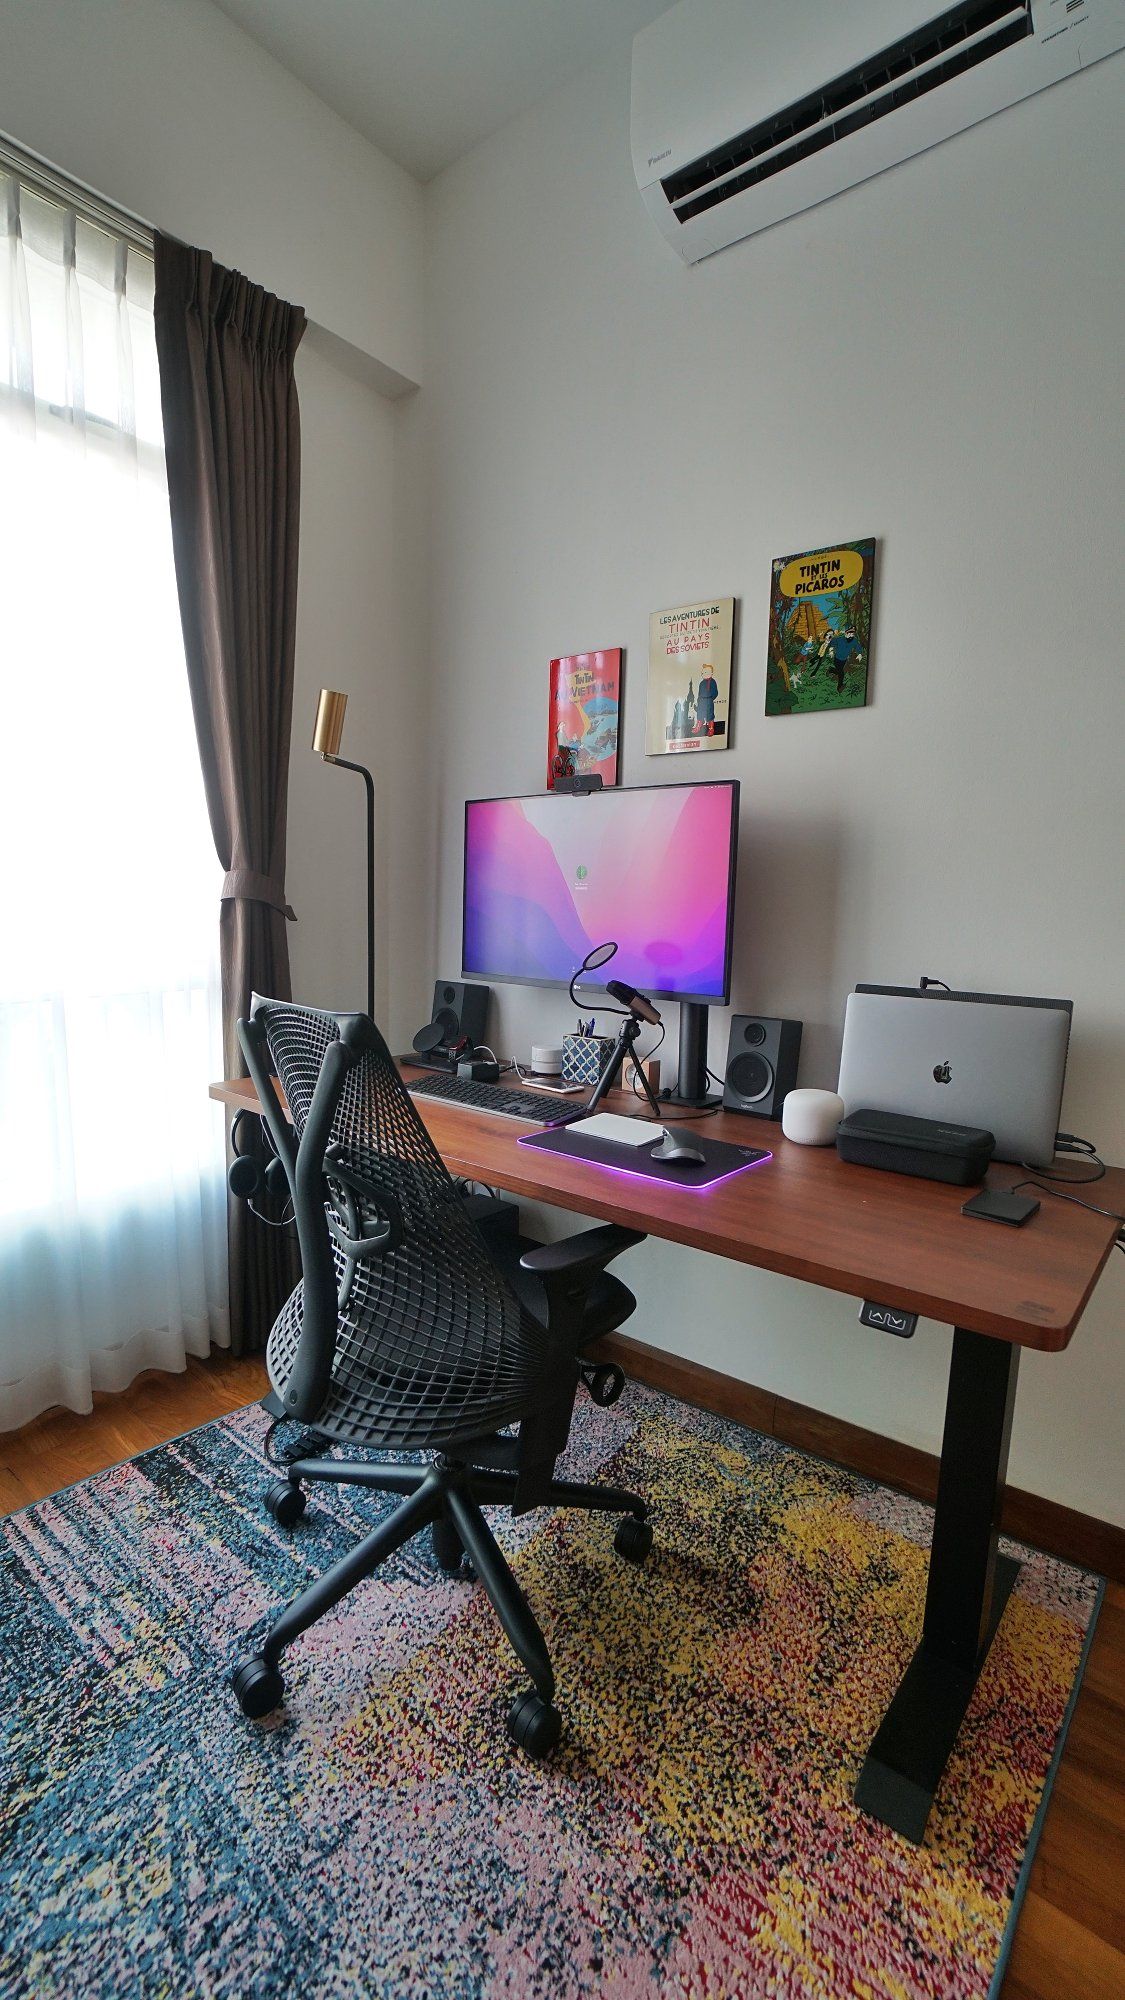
(369, 781)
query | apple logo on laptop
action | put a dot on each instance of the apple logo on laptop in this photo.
(942, 1073)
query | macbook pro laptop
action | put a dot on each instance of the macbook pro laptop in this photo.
(988, 1059)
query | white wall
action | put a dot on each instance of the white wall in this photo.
(167, 108)
(929, 359)
(345, 585)
(354, 632)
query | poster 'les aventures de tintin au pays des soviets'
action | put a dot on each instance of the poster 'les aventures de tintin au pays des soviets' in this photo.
(820, 629)
(689, 678)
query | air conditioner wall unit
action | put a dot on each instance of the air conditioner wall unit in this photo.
(744, 112)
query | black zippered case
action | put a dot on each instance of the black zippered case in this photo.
(926, 1147)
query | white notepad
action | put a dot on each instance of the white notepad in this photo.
(623, 1131)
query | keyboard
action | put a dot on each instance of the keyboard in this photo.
(538, 1106)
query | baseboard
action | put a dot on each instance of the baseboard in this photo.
(1077, 1538)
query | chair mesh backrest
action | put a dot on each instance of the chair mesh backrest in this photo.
(432, 1344)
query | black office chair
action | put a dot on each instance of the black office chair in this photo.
(406, 1334)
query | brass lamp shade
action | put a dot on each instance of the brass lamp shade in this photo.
(330, 711)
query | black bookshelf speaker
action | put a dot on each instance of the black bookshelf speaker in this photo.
(459, 1009)
(762, 1057)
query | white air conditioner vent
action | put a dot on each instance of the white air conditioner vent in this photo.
(896, 76)
(890, 96)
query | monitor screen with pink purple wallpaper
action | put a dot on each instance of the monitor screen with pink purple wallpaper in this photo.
(549, 877)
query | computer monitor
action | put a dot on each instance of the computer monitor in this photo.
(651, 867)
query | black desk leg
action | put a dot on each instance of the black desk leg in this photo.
(968, 1588)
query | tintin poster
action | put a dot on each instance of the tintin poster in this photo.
(820, 629)
(582, 717)
(689, 656)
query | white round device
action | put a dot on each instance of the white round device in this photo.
(810, 1117)
(546, 1061)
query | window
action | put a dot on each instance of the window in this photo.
(112, 1205)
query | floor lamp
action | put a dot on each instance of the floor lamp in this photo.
(327, 732)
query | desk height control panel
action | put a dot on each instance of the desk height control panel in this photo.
(887, 1319)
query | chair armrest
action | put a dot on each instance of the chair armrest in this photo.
(581, 1256)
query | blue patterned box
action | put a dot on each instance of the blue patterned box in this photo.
(585, 1057)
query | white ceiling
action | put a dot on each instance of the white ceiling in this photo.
(426, 79)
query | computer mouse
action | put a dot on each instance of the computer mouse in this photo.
(677, 1152)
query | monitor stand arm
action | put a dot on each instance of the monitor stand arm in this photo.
(691, 1079)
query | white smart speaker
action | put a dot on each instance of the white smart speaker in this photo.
(545, 1061)
(810, 1117)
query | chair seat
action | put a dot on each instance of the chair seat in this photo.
(608, 1302)
(373, 1404)
(376, 1398)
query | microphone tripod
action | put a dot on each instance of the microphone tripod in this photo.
(631, 1028)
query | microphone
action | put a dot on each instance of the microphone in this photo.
(636, 1002)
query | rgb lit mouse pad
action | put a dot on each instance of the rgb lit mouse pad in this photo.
(720, 1159)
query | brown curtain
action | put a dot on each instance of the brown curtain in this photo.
(233, 440)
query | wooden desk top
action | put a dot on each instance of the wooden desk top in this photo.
(810, 1215)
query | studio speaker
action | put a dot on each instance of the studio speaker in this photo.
(459, 1010)
(762, 1057)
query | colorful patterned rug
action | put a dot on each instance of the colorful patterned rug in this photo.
(693, 1837)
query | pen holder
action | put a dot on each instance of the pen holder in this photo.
(584, 1057)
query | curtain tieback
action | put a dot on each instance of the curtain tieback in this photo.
(243, 885)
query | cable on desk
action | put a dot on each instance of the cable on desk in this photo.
(666, 1095)
(646, 1057)
(544, 1083)
(1119, 1239)
(1082, 1149)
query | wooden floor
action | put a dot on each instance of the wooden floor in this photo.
(59, 1448)
(1070, 1944)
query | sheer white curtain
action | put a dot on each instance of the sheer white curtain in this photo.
(112, 1208)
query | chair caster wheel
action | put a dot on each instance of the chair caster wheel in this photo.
(285, 1502)
(449, 1550)
(605, 1384)
(633, 1539)
(259, 1687)
(534, 1725)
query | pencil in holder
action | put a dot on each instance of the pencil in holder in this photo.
(585, 1057)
